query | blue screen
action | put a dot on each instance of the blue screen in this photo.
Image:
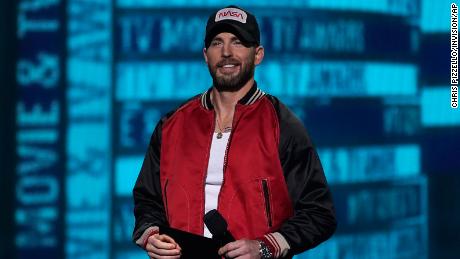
(369, 80)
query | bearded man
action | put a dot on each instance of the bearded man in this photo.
(237, 150)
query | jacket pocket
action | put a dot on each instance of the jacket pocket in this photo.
(267, 202)
(165, 198)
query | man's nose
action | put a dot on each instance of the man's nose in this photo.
(227, 50)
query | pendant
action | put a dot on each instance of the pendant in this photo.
(219, 135)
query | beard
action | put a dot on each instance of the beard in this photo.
(232, 82)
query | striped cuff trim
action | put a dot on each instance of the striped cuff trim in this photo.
(142, 241)
(277, 244)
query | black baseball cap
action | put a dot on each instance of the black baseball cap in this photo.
(235, 20)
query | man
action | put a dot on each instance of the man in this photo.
(236, 149)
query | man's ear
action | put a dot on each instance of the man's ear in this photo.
(204, 55)
(260, 52)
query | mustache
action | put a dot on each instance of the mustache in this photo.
(228, 61)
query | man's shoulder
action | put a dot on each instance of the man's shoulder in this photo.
(291, 126)
(284, 113)
(192, 102)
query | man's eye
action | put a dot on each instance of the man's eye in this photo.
(215, 43)
(237, 42)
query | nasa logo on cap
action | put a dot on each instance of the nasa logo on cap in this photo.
(233, 19)
(231, 14)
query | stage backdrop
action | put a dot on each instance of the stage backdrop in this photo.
(369, 80)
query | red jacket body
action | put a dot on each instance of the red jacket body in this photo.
(273, 179)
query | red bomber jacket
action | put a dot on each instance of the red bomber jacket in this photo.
(273, 179)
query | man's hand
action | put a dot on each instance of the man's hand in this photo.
(162, 246)
(241, 249)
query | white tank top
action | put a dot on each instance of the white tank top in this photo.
(215, 174)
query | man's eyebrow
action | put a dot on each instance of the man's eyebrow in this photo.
(233, 38)
(217, 38)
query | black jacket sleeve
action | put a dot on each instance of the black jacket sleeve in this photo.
(314, 218)
(148, 204)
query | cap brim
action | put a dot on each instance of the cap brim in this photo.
(217, 28)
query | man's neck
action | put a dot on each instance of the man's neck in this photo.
(224, 102)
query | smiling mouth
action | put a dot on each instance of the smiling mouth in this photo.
(228, 68)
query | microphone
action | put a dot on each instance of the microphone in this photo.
(218, 227)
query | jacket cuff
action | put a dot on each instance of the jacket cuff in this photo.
(277, 244)
(142, 241)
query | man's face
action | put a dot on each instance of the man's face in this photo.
(230, 63)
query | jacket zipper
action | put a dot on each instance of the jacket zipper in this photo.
(207, 164)
(267, 202)
(226, 157)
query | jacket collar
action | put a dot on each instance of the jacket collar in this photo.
(251, 97)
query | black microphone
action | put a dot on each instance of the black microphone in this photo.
(218, 227)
